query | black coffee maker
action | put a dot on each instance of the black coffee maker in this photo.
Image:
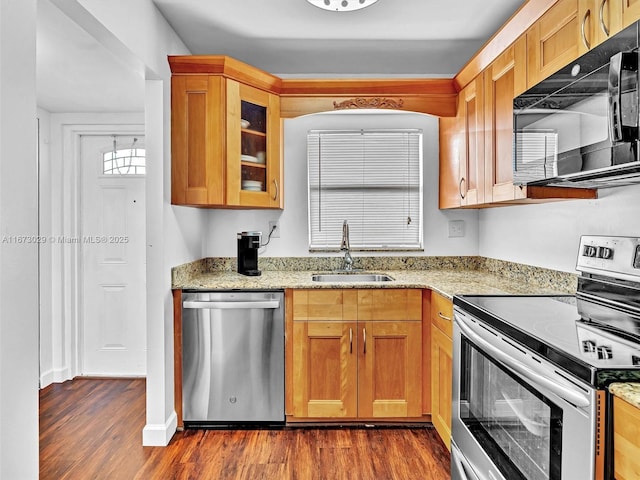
(248, 244)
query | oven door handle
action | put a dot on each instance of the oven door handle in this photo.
(465, 472)
(565, 392)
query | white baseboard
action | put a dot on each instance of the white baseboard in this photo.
(61, 375)
(157, 435)
(46, 378)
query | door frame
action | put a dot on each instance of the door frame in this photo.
(67, 286)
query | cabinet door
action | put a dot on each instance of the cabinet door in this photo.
(253, 147)
(441, 383)
(197, 148)
(389, 374)
(626, 440)
(325, 370)
(451, 144)
(472, 165)
(505, 78)
(555, 40)
(630, 11)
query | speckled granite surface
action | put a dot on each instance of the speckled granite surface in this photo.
(630, 392)
(447, 275)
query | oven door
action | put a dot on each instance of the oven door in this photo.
(514, 415)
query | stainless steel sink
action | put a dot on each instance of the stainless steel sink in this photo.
(351, 277)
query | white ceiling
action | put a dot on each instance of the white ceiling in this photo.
(284, 37)
(391, 37)
(75, 73)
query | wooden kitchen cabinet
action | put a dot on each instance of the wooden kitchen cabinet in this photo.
(630, 11)
(461, 177)
(504, 79)
(476, 146)
(225, 134)
(557, 38)
(348, 363)
(451, 139)
(441, 365)
(471, 182)
(626, 443)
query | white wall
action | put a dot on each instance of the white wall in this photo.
(293, 241)
(45, 283)
(18, 261)
(548, 235)
(138, 34)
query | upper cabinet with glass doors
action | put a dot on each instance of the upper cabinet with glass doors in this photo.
(225, 134)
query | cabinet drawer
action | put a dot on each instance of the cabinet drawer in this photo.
(442, 313)
(390, 304)
(325, 304)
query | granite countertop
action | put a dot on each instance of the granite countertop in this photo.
(447, 279)
(629, 392)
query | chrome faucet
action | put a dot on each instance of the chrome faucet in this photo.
(347, 262)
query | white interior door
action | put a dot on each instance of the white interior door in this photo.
(113, 258)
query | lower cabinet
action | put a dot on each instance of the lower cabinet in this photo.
(626, 440)
(344, 367)
(441, 365)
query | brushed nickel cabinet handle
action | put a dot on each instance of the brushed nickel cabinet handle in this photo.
(364, 336)
(275, 183)
(444, 317)
(350, 340)
(462, 180)
(603, 26)
(587, 15)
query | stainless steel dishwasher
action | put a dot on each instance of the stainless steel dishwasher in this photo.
(232, 358)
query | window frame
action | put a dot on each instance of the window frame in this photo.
(419, 195)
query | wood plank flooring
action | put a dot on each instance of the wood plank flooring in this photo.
(91, 429)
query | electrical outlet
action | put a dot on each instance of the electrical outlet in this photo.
(276, 232)
(456, 228)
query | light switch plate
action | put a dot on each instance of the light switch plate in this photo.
(456, 228)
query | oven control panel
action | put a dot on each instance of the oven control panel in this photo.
(612, 256)
(607, 347)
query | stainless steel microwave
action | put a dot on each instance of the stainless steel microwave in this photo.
(579, 127)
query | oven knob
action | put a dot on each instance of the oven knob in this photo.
(590, 251)
(605, 252)
(588, 346)
(635, 360)
(605, 352)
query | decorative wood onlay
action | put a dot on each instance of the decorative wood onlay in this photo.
(435, 96)
(375, 102)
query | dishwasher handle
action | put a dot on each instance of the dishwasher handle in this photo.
(217, 305)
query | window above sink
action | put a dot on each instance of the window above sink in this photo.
(372, 179)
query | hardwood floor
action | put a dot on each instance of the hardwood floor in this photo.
(91, 429)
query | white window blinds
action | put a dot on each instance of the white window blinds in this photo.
(372, 179)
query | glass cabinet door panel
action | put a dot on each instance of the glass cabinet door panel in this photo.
(253, 147)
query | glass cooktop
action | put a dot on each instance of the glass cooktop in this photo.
(554, 327)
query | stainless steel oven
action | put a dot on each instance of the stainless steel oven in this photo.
(516, 416)
(530, 372)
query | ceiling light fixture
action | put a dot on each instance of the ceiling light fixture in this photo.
(341, 5)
